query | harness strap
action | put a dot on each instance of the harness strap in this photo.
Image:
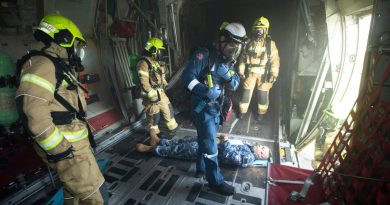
(268, 47)
(58, 63)
(60, 69)
(268, 51)
(79, 114)
(150, 81)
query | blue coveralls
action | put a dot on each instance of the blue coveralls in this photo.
(205, 113)
(187, 148)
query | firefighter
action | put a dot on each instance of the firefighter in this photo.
(208, 72)
(259, 67)
(52, 108)
(151, 72)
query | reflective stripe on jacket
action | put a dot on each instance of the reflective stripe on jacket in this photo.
(255, 57)
(37, 88)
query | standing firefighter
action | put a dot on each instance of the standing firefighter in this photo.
(209, 71)
(52, 109)
(259, 66)
(153, 82)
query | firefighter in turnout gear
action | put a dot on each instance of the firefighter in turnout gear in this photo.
(259, 67)
(152, 77)
(208, 72)
(52, 109)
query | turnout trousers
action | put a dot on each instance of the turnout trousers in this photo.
(254, 80)
(153, 111)
(80, 175)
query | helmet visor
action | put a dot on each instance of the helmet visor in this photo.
(160, 54)
(232, 50)
(79, 48)
(237, 40)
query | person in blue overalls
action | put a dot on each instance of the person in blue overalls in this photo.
(209, 71)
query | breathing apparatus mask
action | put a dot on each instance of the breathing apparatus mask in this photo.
(76, 54)
(259, 33)
(159, 55)
(231, 50)
(260, 27)
(155, 48)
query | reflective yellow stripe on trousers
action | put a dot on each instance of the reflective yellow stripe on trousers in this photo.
(257, 69)
(171, 123)
(52, 141)
(36, 80)
(76, 136)
(155, 127)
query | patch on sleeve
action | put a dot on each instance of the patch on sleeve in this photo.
(199, 56)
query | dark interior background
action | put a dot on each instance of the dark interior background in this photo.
(201, 19)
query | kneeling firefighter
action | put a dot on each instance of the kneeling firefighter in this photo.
(52, 109)
(151, 72)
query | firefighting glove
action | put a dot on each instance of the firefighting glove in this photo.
(213, 94)
(153, 95)
(241, 70)
(224, 72)
(272, 78)
(67, 154)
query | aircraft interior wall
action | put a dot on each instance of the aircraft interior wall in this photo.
(294, 137)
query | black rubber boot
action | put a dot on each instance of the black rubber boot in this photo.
(172, 133)
(224, 189)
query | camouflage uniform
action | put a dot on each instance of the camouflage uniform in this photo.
(187, 148)
(240, 155)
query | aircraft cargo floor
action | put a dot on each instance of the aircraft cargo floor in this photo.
(141, 178)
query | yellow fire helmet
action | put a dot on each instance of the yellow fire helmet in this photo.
(60, 29)
(154, 45)
(261, 22)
